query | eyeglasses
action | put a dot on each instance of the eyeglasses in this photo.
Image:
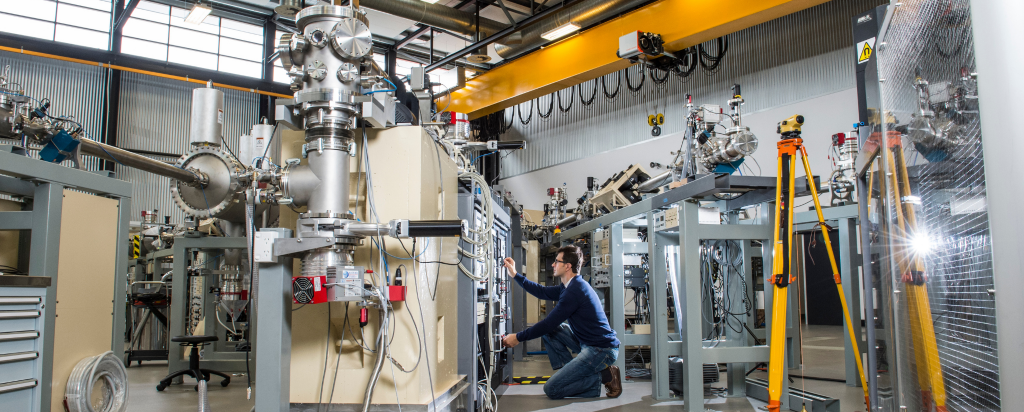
(561, 261)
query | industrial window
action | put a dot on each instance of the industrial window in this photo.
(158, 31)
(80, 22)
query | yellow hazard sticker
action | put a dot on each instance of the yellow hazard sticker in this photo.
(865, 50)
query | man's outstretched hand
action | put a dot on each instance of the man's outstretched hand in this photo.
(510, 340)
(510, 265)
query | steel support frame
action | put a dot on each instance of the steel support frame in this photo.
(736, 349)
(45, 183)
(216, 359)
(273, 349)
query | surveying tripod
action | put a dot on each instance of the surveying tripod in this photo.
(782, 261)
(911, 269)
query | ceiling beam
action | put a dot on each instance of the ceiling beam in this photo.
(500, 35)
(592, 53)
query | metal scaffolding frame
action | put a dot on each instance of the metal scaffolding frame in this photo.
(44, 183)
(739, 348)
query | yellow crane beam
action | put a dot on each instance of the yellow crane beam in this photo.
(591, 53)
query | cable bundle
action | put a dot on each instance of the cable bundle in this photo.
(105, 367)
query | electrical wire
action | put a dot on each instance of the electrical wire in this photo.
(618, 84)
(590, 101)
(572, 97)
(528, 119)
(551, 107)
(643, 78)
(327, 352)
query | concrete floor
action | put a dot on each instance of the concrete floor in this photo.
(823, 357)
(822, 354)
(143, 397)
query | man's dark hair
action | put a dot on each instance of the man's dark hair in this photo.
(572, 255)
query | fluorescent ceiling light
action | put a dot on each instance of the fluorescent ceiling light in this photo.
(429, 1)
(561, 31)
(198, 14)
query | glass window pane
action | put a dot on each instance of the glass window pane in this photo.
(144, 48)
(26, 27)
(241, 49)
(241, 31)
(82, 37)
(192, 58)
(83, 17)
(152, 11)
(240, 67)
(281, 76)
(193, 40)
(147, 30)
(36, 9)
(92, 4)
(209, 25)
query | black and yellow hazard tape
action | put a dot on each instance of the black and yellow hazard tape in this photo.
(530, 380)
(136, 250)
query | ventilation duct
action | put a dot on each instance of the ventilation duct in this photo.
(585, 14)
(435, 15)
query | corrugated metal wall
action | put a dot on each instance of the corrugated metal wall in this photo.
(789, 59)
(74, 90)
(154, 116)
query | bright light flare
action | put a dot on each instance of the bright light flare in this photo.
(921, 243)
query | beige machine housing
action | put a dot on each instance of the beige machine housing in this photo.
(409, 183)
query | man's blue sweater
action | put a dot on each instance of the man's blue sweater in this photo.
(577, 303)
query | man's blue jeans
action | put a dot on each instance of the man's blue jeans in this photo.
(579, 377)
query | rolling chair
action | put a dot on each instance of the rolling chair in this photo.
(193, 362)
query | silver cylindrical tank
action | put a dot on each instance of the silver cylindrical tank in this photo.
(332, 195)
(207, 123)
(262, 136)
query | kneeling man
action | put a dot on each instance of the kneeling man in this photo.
(586, 333)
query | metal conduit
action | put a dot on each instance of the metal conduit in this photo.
(435, 15)
(136, 161)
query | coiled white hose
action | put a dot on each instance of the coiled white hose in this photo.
(105, 367)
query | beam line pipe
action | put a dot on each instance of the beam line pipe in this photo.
(568, 220)
(136, 161)
(655, 182)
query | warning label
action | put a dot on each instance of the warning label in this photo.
(865, 50)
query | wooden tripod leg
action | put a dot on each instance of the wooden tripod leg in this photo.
(836, 277)
(781, 273)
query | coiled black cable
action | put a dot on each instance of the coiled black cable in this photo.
(618, 85)
(588, 102)
(643, 78)
(528, 119)
(709, 62)
(572, 97)
(654, 75)
(688, 63)
(551, 108)
(505, 127)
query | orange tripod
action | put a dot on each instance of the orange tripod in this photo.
(782, 257)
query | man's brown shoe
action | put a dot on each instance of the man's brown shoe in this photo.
(614, 388)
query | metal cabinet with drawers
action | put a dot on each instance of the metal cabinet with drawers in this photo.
(22, 317)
